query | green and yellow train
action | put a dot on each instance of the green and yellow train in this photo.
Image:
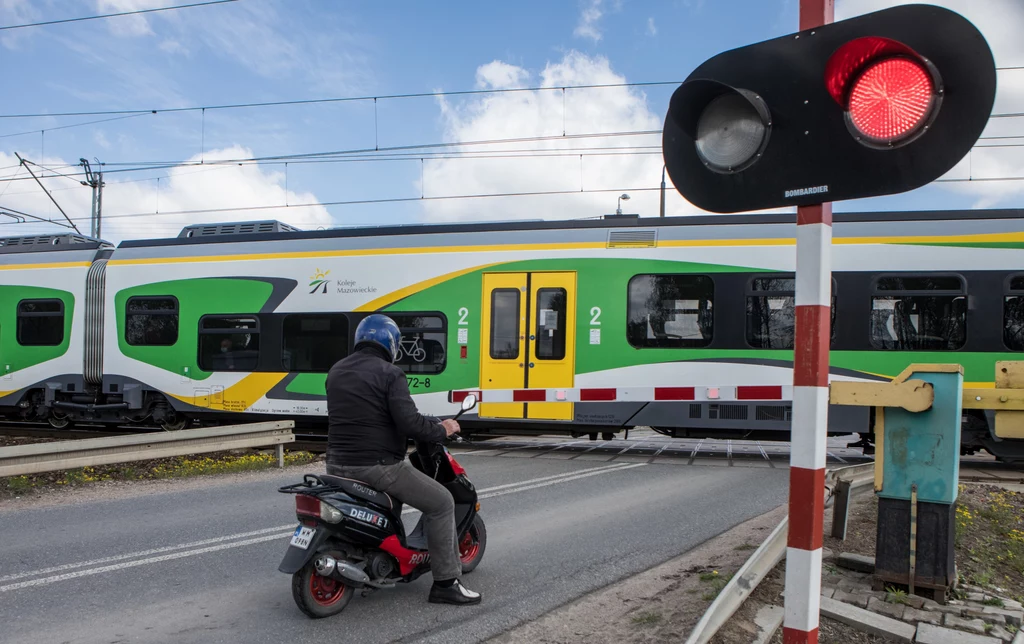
(241, 321)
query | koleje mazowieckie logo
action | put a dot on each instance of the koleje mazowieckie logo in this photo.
(319, 281)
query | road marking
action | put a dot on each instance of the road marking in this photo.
(216, 544)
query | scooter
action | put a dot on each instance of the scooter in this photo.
(351, 536)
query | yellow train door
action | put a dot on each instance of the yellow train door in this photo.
(528, 340)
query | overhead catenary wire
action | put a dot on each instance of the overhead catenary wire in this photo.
(116, 15)
(361, 202)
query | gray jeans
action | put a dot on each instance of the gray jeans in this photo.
(409, 485)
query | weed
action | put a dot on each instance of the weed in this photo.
(993, 601)
(745, 546)
(983, 577)
(895, 595)
(709, 576)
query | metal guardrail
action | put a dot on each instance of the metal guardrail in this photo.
(842, 481)
(67, 455)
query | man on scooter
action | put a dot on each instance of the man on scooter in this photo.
(371, 414)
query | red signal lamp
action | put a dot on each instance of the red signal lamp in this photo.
(890, 94)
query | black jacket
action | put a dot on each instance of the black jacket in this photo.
(371, 413)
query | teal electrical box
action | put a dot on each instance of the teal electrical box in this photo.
(923, 448)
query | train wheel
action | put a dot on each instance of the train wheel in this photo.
(58, 421)
(177, 423)
(607, 436)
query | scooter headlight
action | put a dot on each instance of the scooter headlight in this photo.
(329, 513)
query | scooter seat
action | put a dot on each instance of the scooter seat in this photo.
(360, 490)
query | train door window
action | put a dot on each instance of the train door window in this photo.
(313, 342)
(670, 311)
(229, 343)
(1013, 314)
(151, 321)
(550, 324)
(771, 312)
(424, 340)
(919, 313)
(505, 324)
(40, 323)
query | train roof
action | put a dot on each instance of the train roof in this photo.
(50, 243)
(259, 231)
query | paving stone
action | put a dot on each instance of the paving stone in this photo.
(976, 596)
(969, 625)
(991, 618)
(915, 601)
(1011, 616)
(945, 610)
(892, 610)
(850, 598)
(853, 586)
(768, 619)
(929, 634)
(1001, 633)
(1009, 604)
(914, 616)
(868, 622)
(827, 592)
(855, 562)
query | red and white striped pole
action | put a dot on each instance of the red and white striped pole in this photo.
(810, 400)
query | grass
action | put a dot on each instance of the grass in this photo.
(647, 618)
(717, 583)
(993, 601)
(990, 538)
(175, 467)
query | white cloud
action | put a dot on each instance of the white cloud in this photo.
(539, 113)
(16, 12)
(589, 16)
(129, 26)
(652, 29)
(173, 47)
(1000, 22)
(101, 139)
(183, 188)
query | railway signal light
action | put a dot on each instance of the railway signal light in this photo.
(878, 104)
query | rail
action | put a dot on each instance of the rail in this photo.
(770, 553)
(89, 452)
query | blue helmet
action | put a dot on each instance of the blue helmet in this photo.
(382, 331)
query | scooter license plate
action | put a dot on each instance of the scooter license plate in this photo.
(303, 537)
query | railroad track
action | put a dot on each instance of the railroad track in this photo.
(643, 445)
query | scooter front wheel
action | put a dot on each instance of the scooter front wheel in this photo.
(318, 596)
(473, 544)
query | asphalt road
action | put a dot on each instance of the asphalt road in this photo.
(198, 563)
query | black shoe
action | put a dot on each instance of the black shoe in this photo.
(454, 594)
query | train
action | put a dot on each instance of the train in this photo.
(235, 322)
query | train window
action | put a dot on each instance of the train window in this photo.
(550, 324)
(313, 342)
(229, 343)
(670, 311)
(771, 312)
(505, 324)
(1013, 315)
(151, 321)
(40, 323)
(919, 313)
(424, 340)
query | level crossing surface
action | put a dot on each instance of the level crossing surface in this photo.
(195, 560)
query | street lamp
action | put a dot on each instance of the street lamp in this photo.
(618, 209)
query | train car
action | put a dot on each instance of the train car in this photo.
(47, 325)
(231, 322)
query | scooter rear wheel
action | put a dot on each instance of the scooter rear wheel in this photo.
(473, 544)
(318, 596)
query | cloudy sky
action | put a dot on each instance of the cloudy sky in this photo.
(172, 168)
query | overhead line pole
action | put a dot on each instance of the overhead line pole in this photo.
(26, 166)
(810, 400)
(95, 181)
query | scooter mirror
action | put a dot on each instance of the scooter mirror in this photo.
(469, 402)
